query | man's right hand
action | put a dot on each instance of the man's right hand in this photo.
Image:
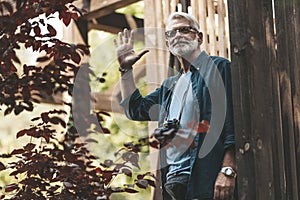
(124, 48)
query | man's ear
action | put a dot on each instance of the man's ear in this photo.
(167, 43)
(200, 37)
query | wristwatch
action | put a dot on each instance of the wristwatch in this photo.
(228, 171)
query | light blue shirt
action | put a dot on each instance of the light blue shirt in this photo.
(178, 154)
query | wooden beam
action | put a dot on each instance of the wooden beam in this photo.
(121, 21)
(105, 24)
(106, 7)
(103, 27)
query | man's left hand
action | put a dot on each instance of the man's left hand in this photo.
(224, 187)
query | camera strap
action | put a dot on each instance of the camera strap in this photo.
(182, 102)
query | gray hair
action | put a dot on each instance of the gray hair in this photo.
(180, 15)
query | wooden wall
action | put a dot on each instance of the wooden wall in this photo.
(266, 87)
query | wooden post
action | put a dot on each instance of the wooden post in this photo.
(288, 37)
(256, 99)
(156, 69)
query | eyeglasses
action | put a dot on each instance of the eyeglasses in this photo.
(183, 30)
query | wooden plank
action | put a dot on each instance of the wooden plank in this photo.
(105, 7)
(227, 31)
(255, 96)
(151, 77)
(295, 72)
(194, 5)
(211, 27)
(183, 5)
(103, 27)
(203, 23)
(162, 51)
(287, 26)
(222, 43)
(173, 5)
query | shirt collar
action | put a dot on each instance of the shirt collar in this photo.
(199, 61)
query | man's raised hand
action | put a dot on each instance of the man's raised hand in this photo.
(124, 48)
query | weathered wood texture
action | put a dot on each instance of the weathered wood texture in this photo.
(105, 7)
(265, 74)
(288, 37)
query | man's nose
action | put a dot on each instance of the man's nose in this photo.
(177, 33)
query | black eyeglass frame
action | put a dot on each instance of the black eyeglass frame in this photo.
(185, 30)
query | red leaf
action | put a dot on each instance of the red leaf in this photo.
(51, 30)
(37, 30)
(74, 16)
(130, 190)
(84, 48)
(131, 157)
(42, 59)
(8, 6)
(13, 68)
(8, 110)
(35, 119)
(22, 133)
(18, 109)
(17, 151)
(98, 170)
(11, 187)
(127, 172)
(57, 120)
(29, 147)
(47, 138)
(142, 183)
(45, 117)
(107, 175)
(66, 18)
(2, 166)
(90, 140)
(26, 93)
(151, 182)
(140, 176)
(76, 57)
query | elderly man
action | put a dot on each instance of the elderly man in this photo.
(197, 154)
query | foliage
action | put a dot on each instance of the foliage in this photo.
(58, 166)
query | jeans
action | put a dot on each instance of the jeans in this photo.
(177, 186)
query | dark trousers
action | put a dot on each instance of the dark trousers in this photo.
(177, 186)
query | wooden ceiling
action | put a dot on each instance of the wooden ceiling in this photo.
(101, 15)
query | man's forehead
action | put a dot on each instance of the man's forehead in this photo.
(177, 22)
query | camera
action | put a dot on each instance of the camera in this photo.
(167, 125)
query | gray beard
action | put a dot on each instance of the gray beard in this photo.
(184, 50)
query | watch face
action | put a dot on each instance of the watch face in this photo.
(228, 172)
